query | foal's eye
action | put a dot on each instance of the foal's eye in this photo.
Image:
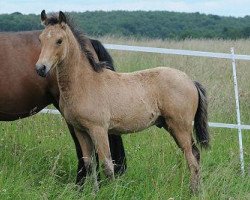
(58, 42)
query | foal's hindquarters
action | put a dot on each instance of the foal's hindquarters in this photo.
(134, 101)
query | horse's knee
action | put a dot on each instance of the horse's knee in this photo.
(99, 136)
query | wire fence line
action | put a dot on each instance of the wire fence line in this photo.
(232, 56)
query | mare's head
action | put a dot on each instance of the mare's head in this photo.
(54, 42)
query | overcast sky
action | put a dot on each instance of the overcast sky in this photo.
(238, 8)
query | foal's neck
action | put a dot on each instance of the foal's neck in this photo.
(74, 71)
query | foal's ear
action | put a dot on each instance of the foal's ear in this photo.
(43, 17)
(62, 18)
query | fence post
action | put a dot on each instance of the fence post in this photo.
(238, 111)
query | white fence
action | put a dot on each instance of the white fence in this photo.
(233, 57)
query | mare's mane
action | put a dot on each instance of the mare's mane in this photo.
(82, 40)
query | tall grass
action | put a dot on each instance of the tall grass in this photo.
(38, 158)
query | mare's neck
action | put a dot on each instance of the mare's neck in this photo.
(73, 71)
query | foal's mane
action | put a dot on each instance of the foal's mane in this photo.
(82, 40)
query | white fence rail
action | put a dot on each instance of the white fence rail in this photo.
(175, 52)
(233, 57)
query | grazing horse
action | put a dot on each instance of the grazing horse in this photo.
(24, 93)
(98, 102)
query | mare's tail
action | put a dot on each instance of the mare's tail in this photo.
(200, 120)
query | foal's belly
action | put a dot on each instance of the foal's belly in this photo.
(133, 122)
(134, 108)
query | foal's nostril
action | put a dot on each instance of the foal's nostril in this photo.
(41, 70)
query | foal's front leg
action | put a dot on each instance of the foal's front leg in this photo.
(99, 136)
(88, 153)
(81, 170)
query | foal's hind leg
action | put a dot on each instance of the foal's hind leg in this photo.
(87, 147)
(196, 151)
(100, 138)
(183, 137)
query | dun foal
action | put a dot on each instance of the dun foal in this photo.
(98, 102)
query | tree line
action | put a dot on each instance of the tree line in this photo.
(142, 24)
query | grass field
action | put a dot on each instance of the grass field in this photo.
(38, 159)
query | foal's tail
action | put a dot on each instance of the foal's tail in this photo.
(200, 120)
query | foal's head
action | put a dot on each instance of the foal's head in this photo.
(54, 43)
(56, 39)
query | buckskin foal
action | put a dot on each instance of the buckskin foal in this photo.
(98, 102)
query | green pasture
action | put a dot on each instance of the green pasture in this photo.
(38, 160)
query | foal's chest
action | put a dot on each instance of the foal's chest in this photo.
(69, 112)
(80, 116)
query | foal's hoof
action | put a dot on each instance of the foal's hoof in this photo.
(194, 191)
(195, 188)
(95, 189)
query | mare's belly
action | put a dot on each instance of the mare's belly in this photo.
(15, 104)
(12, 114)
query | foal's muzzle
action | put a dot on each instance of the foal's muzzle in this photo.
(41, 70)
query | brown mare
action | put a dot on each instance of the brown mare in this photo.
(98, 102)
(24, 93)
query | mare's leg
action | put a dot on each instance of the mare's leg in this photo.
(117, 153)
(99, 136)
(182, 134)
(88, 155)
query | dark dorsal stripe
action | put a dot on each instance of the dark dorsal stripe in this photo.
(82, 40)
